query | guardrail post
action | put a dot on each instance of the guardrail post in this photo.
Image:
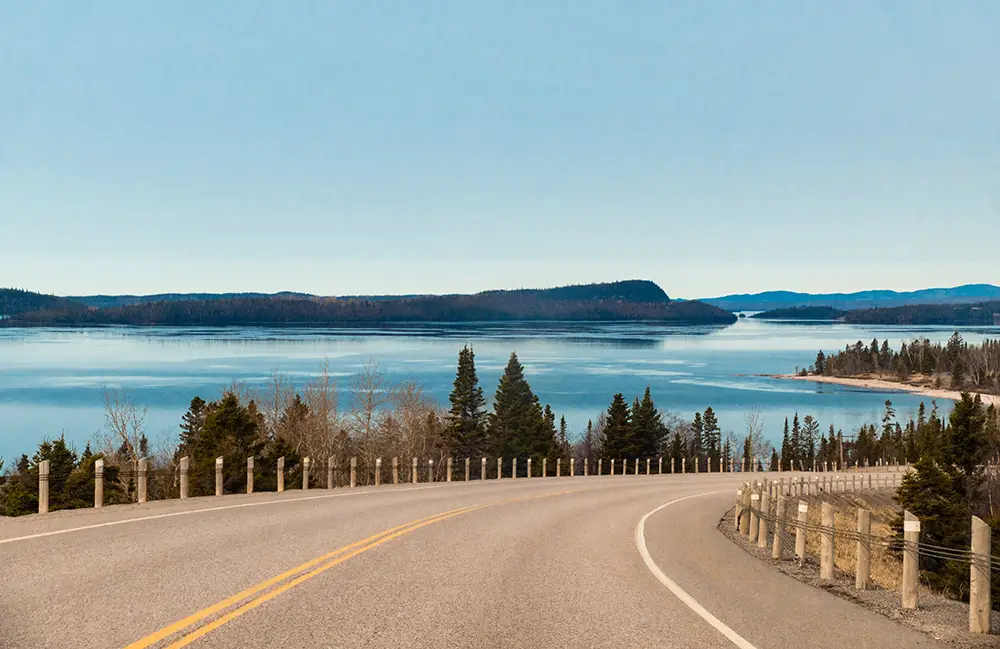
(529, 467)
(482, 469)
(249, 475)
(281, 474)
(697, 463)
(572, 467)
(499, 468)
(449, 468)
(395, 469)
(684, 465)
(765, 511)
(779, 527)
(354, 472)
(647, 466)
(305, 473)
(430, 470)
(143, 482)
(738, 509)
(586, 467)
(612, 460)
(545, 467)
(979, 577)
(863, 558)
(330, 463)
(660, 464)
(600, 466)
(754, 523)
(745, 511)
(800, 532)
(415, 474)
(185, 484)
(513, 468)
(98, 483)
(911, 538)
(558, 467)
(468, 471)
(218, 476)
(43, 487)
(378, 471)
(672, 465)
(636, 470)
(826, 543)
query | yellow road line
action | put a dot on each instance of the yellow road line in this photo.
(194, 618)
(338, 556)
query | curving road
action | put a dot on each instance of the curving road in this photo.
(510, 563)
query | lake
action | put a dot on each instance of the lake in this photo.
(51, 380)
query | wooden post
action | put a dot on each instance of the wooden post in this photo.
(697, 463)
(558, 467)
(684, 465)
(911, 538)
(545, 467)
(779, 527)
(415, 475)
(600, 466)
(529, 467)
(281, 474)
(647, 466)
(499, 468)
(754, 522)
(979, 577)
(586, 467)
(737, 509)
(218, 476)
(430, 470)
(185, 468)
(395, 470)
(826, 543)
(482, 470)
(43, 487)
(99, 483)
(863, 558)
(660, 463)
(250, 475)
(672, 465)
(572, 467)
(143, 482)
(800, 532)
(305, 474)
(513, 468)
(745, 512)
(331, 462)
(468, 469)
(448, 478)
(765, 510)
(378, 471)
(636, 466)
(354, 472)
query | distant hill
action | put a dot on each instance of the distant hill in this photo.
(106, 301)
(982, 313)
(967, 294)
(15, 300)
(629, 300)
(801, 313)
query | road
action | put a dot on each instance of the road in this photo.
(509, 563)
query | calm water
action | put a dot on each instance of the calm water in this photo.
(51, 380)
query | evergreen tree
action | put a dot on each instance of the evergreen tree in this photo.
(697, 438)
(231, 431)
(467, 416)
(810, 430)
(820, 365)
(677, 449)
(711, 435)
(966, 449)
(191, 424)
(517, 426)
(618, 431)
(795, 440)
(786, 448)
(648, 426)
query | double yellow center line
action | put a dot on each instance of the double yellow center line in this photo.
(252, 597)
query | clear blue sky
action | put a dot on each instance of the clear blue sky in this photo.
(385, 147)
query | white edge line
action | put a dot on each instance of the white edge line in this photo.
(680, 593)
(190, 512)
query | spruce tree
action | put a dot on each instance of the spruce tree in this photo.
(467, 416)
(786, 448)
(648, 426)
(618, 430)
(810, 430)
(697, 437)
(517, 425)
(711, 434)
(795, 441)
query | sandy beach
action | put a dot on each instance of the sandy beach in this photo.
(882, 385)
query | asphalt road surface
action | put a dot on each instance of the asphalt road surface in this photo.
(510, 563)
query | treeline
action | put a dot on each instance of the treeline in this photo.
(801, 313)
(14, 301)
(632, 300)
(981, 313)
(956, 364)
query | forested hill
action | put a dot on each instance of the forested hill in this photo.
(105, 301)
(15, 300)
(802, 313)
(983, 313)
(634, 300)
(966, 294)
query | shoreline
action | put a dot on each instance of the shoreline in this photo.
(882, 385)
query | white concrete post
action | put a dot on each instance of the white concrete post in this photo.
(468, 469)
(378, 471)
(863, 562)
(430, 470)
(250, 475)
(636, 472)
(545, 467)
(600, 466)
(612, 460)
(305, 473)
(143, 483)
(482, 469)
(331, 462)
(43, 487)
(99, 483)
(513, 468)
(660, 464)
(281, 474)
(499, 468)
(558, 467)
(218, 476)
(684, 465)
(354, 472)
(449, 468)
(572, 467)
(672, 465)
(415, 477)
(911, 538)
(979, 577)
(800, 532)
(395, 470)
(529, 467)
(697, 465)
(647, 466)
(185, 469)
(586, 467)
